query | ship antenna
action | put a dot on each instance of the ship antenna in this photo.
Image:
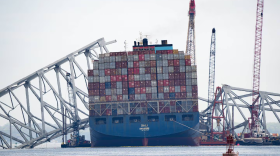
(125, 45)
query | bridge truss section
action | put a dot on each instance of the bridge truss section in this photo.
(33, 107)
(236, 103)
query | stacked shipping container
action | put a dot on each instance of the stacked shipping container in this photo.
(142, 76)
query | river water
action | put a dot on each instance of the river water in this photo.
(54, 150)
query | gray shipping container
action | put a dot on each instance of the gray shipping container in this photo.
(154, 90)
(107, 79)
(170, 56)
(125, 97)
(102, 79)
(159, 76)
(170, 69)
(182, 69)
(101, 60)
(165, 70)
(124, 71)
(136, 78)
(189, 88)
(112, 65)
(164, 56)
(114, 97)
(130, 64)
(90, 79)
(137, 96)
(188, 75)
(123, 58)
(118, 71)
(165, 76)
(182, 57)
(96, 79)
(159, 63)
(114, 91)
(95, 65)
(194, 68)
(118, 58)
(188, 69)
(182, 62)
(166, 89)
(176, 56)
(141, 70)
(101, 66)
(147, 77)
(159, 70)
(152, 56)
(135, 58)
(108, 92)
(189, 82)
(95, 72)
(154, 83)
(147, 57)
(177, 89)
(91, 99)
(165, 63)
(143, 97)
(194, 81)
(154, 96)
(119, 91)
(107, 65)
(142, 64)
(107, 54)
(107, 59)
(130, 58)
(142, 77)
(96, 98)
(148, 89)
(102, 73)
(119, 85)
(189, 95)
(112, 58)
(160, 96)
(153, 70)
(194, 75)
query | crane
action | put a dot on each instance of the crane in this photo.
(191, 33)
(256, 69)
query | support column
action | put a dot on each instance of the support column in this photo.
(42, 102)
(87, 58)
(28, 108)
(11, 142)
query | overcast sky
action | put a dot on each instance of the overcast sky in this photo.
(35, 33)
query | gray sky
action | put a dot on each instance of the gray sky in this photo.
(36, 33)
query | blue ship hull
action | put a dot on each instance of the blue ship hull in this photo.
(161, 132)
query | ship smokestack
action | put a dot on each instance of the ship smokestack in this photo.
(138, 43)
(145, 42)
(163, 42)
(134, 43)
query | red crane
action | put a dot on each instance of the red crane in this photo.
(257, 66)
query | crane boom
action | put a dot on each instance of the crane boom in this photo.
(257, 65)
(191, 33)
(211, 83)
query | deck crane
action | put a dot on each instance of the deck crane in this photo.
(211, 83)
(254, 126)
(191, 33)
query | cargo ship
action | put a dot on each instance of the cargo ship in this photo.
(144, 97)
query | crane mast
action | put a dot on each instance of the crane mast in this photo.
(211, 83)
(257, 64)
(191, 33)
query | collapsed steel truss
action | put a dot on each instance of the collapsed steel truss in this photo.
(240, 99)
(31, 127)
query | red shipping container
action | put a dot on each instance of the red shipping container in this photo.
(130, 53)
(102, 92)
(119, 97)
(178, 109)
(131, 84)
(124, 64)
(176, 63)
(161, 103)
(102, 85)
(131, 97)
(124, 84)
(141, 57)
(165, 82)
(183, 89)
(160, 82)
(135, 64)
(176, 76)
(166, 96)
(125, 91)
(136, 71)
(141, 52)
(160, 89)
(194, 88)
(153, 76)
(170, 63)
(96, 92)
(90, 85)
(135, 52)
(90, 72)
(176, 83)
(142, 83)
(124, 78)
(153, 63)
(90, 92)
(91, 113)
(137, 84)
(113, 78)
(113, 85)
(166, 110)
(130, 71)
(171, 89)
(148, 84)
(137, 90)
(183, 95)
(108, 98)
(130, 77)
(146, 52)
(182, 82)
(147, 70)
(158, 51)
(118, 64)
(143, 90)
(177, 95)
(119, 78)
(188, 62)
(176, 69)
(108, 112)
(171, 83)
(107, 72)
(164, 51)
(171, 76)
(169, 51)
(113, 71)
(195, 109)
(172, 103)
(149, 96)
(182, 76)
(143, 104)
(194, 95)
(118, 54)
(112, 54)
(103, 106)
